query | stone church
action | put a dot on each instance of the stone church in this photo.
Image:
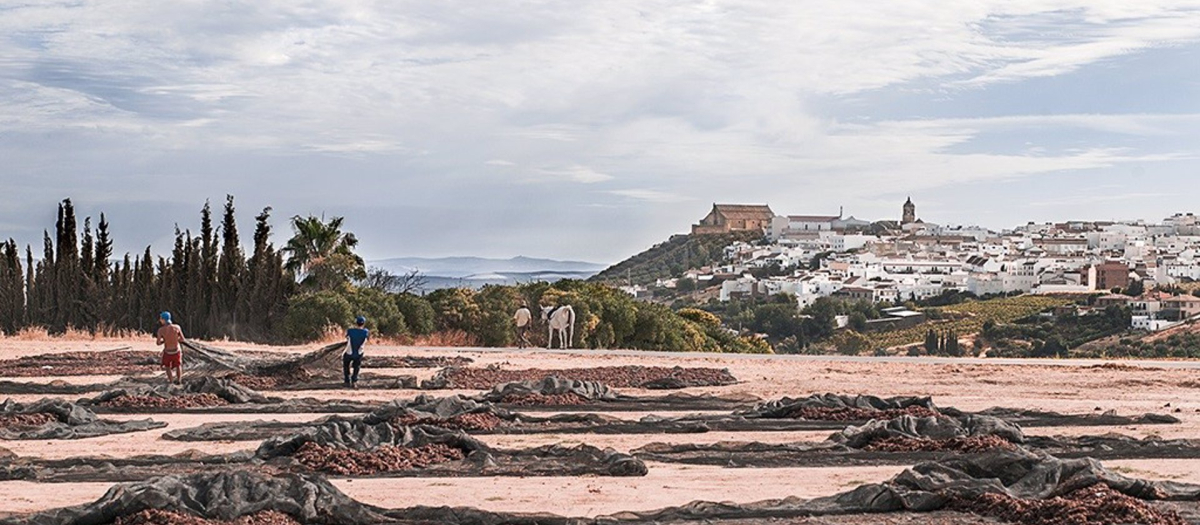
(726, 218)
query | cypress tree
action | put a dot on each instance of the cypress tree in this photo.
(146, 298)
(45, 283)
(8, 321)
(84, 314)
(17, 285)
(66, 270)
(195, 313)
(98, 272)
(157, 290)
(952, 347)
(259, 282)
(104, 252)
(31, 293)
(230, 275)
(202, 319)
(931, 342)
(122, 293)
(174, 276)
(86, 250)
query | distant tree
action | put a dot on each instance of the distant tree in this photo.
(1136, 288)
(858, 322)
(1051, 347)
(952, 347)
(685, 285)
(381, 280)
(385, 281)
(931, 342)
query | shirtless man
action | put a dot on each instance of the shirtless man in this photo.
(170, 336)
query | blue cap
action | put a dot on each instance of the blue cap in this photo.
(165, 316)
(361, 320)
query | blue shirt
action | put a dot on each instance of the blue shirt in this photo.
(357, 337)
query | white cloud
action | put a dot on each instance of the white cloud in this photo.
(652, 101)
(580, 174)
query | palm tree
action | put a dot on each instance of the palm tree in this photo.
(322, 253)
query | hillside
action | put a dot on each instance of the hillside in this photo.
(672, 258)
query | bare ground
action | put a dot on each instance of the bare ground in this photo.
(1031, 385)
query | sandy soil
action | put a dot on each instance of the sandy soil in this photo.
(1074, 388)
(666, 485)
(126, 445)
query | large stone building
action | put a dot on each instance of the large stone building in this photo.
(726, 218)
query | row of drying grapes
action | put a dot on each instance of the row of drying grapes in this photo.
(968, 318)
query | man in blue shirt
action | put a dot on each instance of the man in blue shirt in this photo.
(355, 339)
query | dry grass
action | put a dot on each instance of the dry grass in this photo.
(73, 334)
(331, 334)
(445, 338)
(448, 338)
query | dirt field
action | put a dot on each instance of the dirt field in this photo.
(1081, 388)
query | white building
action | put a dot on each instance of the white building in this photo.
(1149, 323)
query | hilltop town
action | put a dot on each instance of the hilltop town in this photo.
(1136, 264)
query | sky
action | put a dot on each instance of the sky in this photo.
(592, 129)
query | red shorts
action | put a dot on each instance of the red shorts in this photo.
(174, 360)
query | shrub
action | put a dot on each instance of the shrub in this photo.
(700, 317)
(418, 313)
(383, 317)
(310, 314)
(849, 342)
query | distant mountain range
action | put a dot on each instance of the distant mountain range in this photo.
(474, 272)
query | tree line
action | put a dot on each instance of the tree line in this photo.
(207, 283)
(298, 293)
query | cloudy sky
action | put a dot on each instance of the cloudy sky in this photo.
(590, 129)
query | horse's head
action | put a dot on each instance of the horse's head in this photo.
(546, 312)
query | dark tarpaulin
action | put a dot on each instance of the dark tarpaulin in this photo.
(275, 455)
(602, 397)
(240, 399)
(72, 421)
(927, 487)
(921, 439)
(482, 460)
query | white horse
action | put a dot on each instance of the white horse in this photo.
(561, 320)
